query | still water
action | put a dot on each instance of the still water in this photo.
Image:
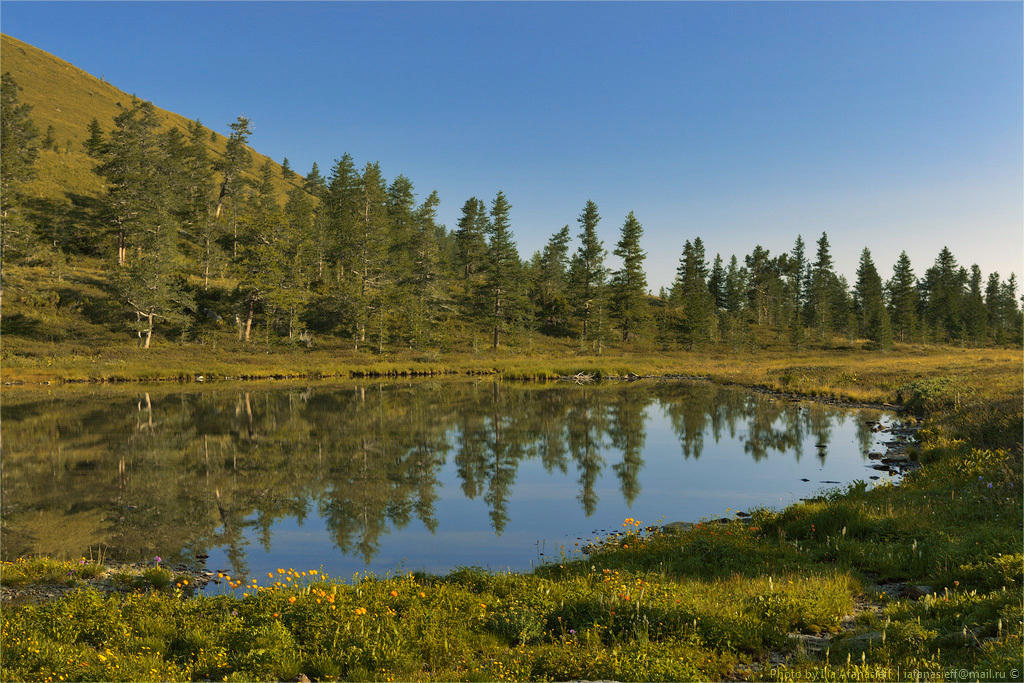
(395, 476)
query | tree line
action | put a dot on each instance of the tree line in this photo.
(193, 237)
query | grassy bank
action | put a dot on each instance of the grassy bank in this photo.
(849, 372)
(857, 584)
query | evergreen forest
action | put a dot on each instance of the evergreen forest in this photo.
(189, 236)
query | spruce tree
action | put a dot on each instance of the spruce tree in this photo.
(943, 288)
(366, 252)
(716, 283)
(425, 281)
(975, 314)
(873, 318)
(903, 299)
(128, 169)
(502, 288)
(470, 237)
(587, 276)
(629, 283)
(691, 295)
(286, 170)
(826, 296)
(18, 153)
(235, 162)
(94, 144)
(49, 141)
(143, 169)
(550, 283)
(314, 183)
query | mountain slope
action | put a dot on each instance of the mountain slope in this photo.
(68, 98)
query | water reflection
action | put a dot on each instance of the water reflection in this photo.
(179, 473)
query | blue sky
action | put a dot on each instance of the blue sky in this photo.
(889, 125)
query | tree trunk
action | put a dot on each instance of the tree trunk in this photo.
(248, 321)
(206, 271)
(149, 330)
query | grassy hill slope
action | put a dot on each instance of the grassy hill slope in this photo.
(67, 98)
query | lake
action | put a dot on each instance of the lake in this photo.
(400, 475)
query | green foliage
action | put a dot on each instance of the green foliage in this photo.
(18, 153)
(629, 284)
(587, 279)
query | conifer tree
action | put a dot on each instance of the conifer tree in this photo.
(691, 295)
(262, 257)
(286, 170)
(502, 286)
(236, 161)
(587, 276)
(314, 183)
(425, 279)
(49, 142)
(826, 296)
(94, 144)
(550, 283)
(903, 299)
(943, 293)
(366, 252)
(198, 215)
(132, 186)
(629, 283)
(716, 283)
(873, 318)
(976, 315)
(735, 286)
(18, 153)
(142, 168)
(470, 237)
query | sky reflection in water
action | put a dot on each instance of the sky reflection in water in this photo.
(403, 475)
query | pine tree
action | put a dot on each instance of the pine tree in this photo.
(691, 295)
(198, 220)
(903, 299)
(94, 144)
(716, 283)
(826, 296)
(314, 183)
(261, 260)
(735, 286)
(142, 169)
(366, 252)
(550, 283)
(502, 286)
(286, 170)
(873, 318)
(1011, 310)
(471, 244)
(425, 280)
(943, 293)
(18, 152)
(976, 315)
(629, 283)
(236, 161)
(128, 167)
(587, 276)
(49, 142)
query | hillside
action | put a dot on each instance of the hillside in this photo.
(67, 98)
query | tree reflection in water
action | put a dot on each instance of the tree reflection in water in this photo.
(168, 469)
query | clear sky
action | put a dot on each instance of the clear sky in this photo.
(889, 125)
